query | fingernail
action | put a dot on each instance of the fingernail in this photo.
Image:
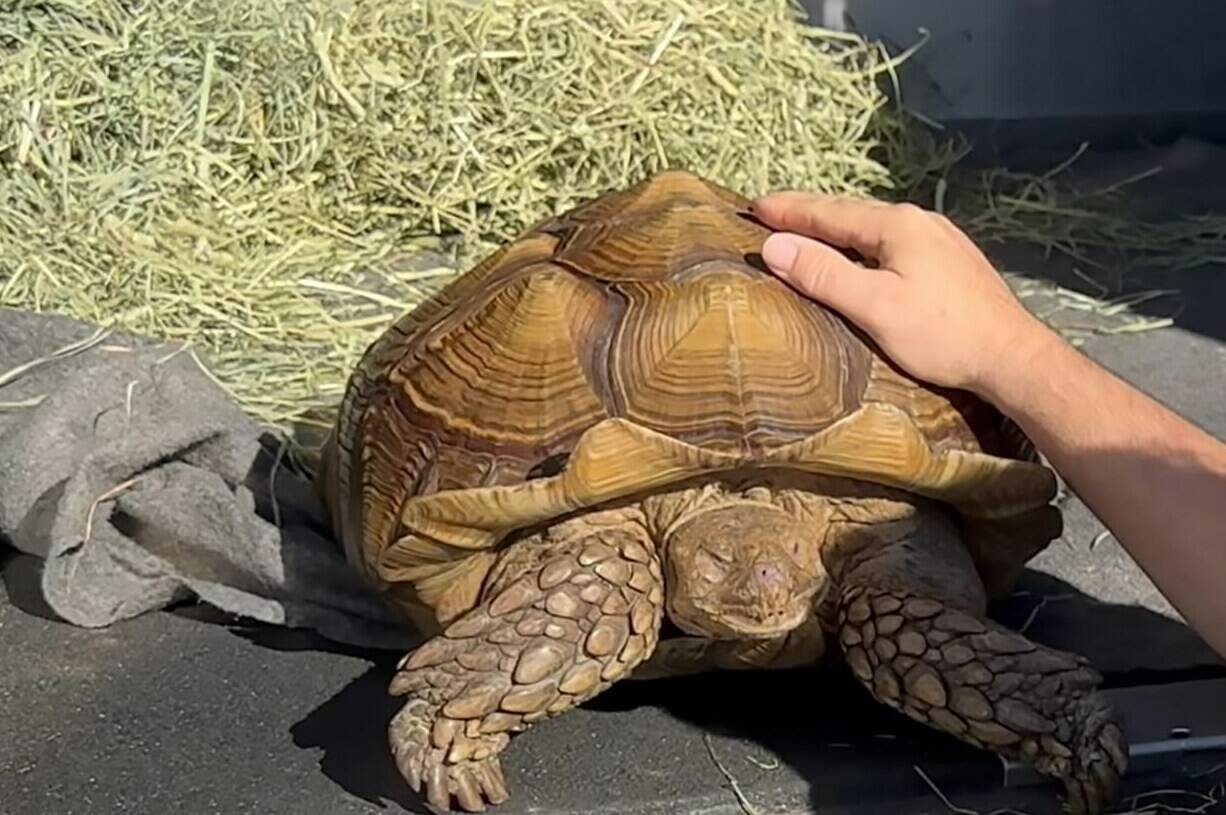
(780, 251)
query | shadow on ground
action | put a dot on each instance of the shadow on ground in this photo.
(350, 728)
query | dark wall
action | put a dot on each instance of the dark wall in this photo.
(1024, 72)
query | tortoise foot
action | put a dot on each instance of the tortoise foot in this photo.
(551, 634)
(1100, 756)
(989, 687)
(441, 762)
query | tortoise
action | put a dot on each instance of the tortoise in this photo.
(620, 448)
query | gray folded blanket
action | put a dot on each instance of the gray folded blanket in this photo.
(140, 484)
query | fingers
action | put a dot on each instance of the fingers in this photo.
(847, 222)
(823, 273)
(880, 231)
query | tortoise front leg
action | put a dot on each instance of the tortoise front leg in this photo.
(585, 614)
(959, 672)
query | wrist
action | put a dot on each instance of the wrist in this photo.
(1024, 351)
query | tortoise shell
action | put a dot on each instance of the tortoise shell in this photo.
(626, 345)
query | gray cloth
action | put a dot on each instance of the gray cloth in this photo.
(140, 484)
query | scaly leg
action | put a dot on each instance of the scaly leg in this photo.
(941, 662)
(546, 638)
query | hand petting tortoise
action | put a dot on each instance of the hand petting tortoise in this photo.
(936, 306)
(620, 447)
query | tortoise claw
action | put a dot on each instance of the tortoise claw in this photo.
(439, 761)
(409, 764)
(1100, 763)
(437, 792)
(489, 776)
(467, 791)
(472, 784)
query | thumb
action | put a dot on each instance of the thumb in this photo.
(824, 273)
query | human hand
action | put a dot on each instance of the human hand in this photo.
(929, 297)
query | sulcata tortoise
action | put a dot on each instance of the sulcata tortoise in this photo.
(620, 448)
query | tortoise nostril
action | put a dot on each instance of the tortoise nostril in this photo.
(770, 572)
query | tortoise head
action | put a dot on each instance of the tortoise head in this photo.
(742, 570)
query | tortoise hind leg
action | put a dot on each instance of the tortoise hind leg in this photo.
(920, 643)
(552, 632)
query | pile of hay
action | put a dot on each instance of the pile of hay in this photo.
(272, 180)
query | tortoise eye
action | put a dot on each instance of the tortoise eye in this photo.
(710, 565)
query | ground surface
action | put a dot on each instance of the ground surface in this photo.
(182, 711)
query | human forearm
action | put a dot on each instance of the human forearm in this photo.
(1155, 480)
